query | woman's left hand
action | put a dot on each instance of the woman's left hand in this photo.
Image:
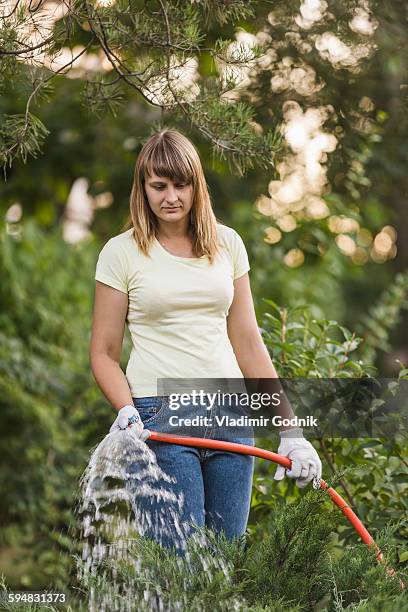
(306, 463)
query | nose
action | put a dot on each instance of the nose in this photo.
(171, 195)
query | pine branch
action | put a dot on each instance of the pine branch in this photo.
(148, 50)
(23, 135)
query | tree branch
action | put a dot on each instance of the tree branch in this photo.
(27, 49)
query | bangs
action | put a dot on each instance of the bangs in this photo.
(167, 159)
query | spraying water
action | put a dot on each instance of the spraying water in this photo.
(121, 472)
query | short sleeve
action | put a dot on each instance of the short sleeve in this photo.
(111, 267)
(240, 256)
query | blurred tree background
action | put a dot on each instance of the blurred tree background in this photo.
(299, 112)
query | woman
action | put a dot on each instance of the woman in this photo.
(180, 281)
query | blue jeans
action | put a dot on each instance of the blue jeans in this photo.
(214, 485)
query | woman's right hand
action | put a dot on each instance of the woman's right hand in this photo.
(128, 416)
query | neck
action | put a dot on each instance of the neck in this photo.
(174, 230)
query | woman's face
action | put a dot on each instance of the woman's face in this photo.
(170, 201)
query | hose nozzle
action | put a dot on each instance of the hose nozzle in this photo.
(316, 483)
(133, 419)
(124, 422)
(145, 434)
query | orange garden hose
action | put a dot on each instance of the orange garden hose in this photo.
(246, 449)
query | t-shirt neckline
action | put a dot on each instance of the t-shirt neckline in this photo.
(178, 257)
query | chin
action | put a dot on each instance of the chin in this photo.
(180, 214)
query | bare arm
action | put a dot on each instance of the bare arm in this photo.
(249, 348)
(251, 353)
(109, 316)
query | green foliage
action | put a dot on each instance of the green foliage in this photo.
(373, 473)
(288, 557)
(50, 408)
(288, 564)
(382, 317)
(146, 49)
(100, 101)
(21, 136)
(236, 134)
(303, 346)
(223, 11)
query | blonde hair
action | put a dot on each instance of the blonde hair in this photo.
(170, 154)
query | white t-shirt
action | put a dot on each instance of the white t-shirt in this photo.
(178, 308)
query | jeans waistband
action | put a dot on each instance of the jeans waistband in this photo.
(150, 401)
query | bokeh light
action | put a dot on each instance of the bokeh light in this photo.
(346, 244)
(297, 194)
(363, 22)
(294, 258)
(273, 235)
(311, 11)
(287, 223)
(14, 213)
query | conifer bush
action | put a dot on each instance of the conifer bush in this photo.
(291, 563)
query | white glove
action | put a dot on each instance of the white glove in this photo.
(122, 422)
(306, 462)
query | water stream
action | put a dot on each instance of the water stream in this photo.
(114, 531)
